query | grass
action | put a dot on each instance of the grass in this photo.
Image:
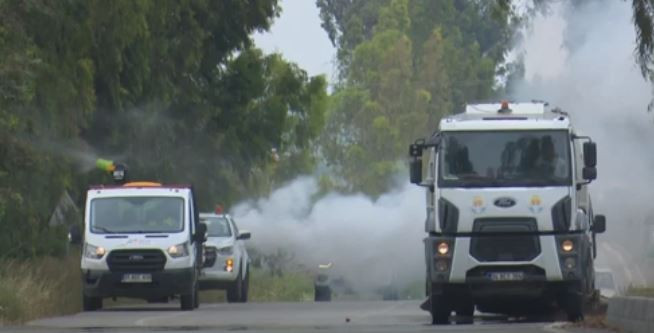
(640, 291)
(39, 288)
(46, 287)
(293, 286)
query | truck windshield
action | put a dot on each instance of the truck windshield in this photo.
(505, 158)
(217, 227)
(137, 215)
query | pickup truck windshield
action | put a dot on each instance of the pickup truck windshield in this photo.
(505, 158)
(137, 215)
(217, 227)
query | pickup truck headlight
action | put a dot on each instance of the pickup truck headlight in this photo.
(226, 251)
(178, 251)
(94, 252)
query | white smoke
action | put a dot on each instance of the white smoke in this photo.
(580, 58)
(371, 243)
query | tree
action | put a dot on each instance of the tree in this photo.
(404, 65)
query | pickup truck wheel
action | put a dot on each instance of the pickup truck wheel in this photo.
(91, 303)
(234, 291)
(245, 286)
(440, 310)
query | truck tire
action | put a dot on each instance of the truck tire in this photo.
(91, 303)
(440, 310)
(574, 307)
(234, 292)
(465, 312)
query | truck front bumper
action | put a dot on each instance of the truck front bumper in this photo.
(164, 284)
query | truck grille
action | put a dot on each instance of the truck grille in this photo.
(136, 260)
(508, 239)
(209, 256)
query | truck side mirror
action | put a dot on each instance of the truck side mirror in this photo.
(590, 154)
(415, 165)
(415, 169)
(200, 233)
(589, 173)
(74, 235)
(599, 224)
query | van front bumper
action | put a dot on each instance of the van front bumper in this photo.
(164, 284)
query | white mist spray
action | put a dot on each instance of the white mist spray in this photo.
(372, 243)
(580, 58)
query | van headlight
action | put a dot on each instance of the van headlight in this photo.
(178, 251)
(226, 251)
(94, 252)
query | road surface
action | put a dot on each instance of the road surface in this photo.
(353, 316)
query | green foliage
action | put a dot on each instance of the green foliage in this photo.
(404, 65)
(174, 89)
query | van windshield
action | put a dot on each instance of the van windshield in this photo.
(137, 215)
(505, 158)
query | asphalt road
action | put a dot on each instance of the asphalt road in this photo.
(369, 316)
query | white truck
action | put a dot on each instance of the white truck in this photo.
(510, 224)
(140, 240)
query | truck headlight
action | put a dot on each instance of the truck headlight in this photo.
(226, 251)
(443, 248)
(567, 245)
(178, 251)
(94, 252)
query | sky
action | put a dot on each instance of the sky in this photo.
(298, 36)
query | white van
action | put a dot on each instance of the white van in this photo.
(141, 240)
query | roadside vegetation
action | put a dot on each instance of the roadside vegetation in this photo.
(640, 291)
(37, 288)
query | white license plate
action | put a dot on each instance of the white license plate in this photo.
(507, 276)
(137, 278)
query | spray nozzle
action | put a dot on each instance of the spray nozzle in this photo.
(118, 170)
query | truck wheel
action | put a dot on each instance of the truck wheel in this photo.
(440, 310)
(234, 291)
(574, 307)
(91, 303)
(197, 297)
(465, 312)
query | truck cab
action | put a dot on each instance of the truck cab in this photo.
(510, 225)
(140, 240)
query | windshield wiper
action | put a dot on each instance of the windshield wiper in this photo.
(105, 230)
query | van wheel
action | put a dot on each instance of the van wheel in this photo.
(188, 302)
(235, 290)
(91, 303)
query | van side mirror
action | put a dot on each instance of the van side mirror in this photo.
(75, 235)
(590, 154)
(243, 235)
(200, 233)
(589, 173)
(599, 224)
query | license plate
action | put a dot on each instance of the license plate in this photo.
(506, 276)
(137, 278)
